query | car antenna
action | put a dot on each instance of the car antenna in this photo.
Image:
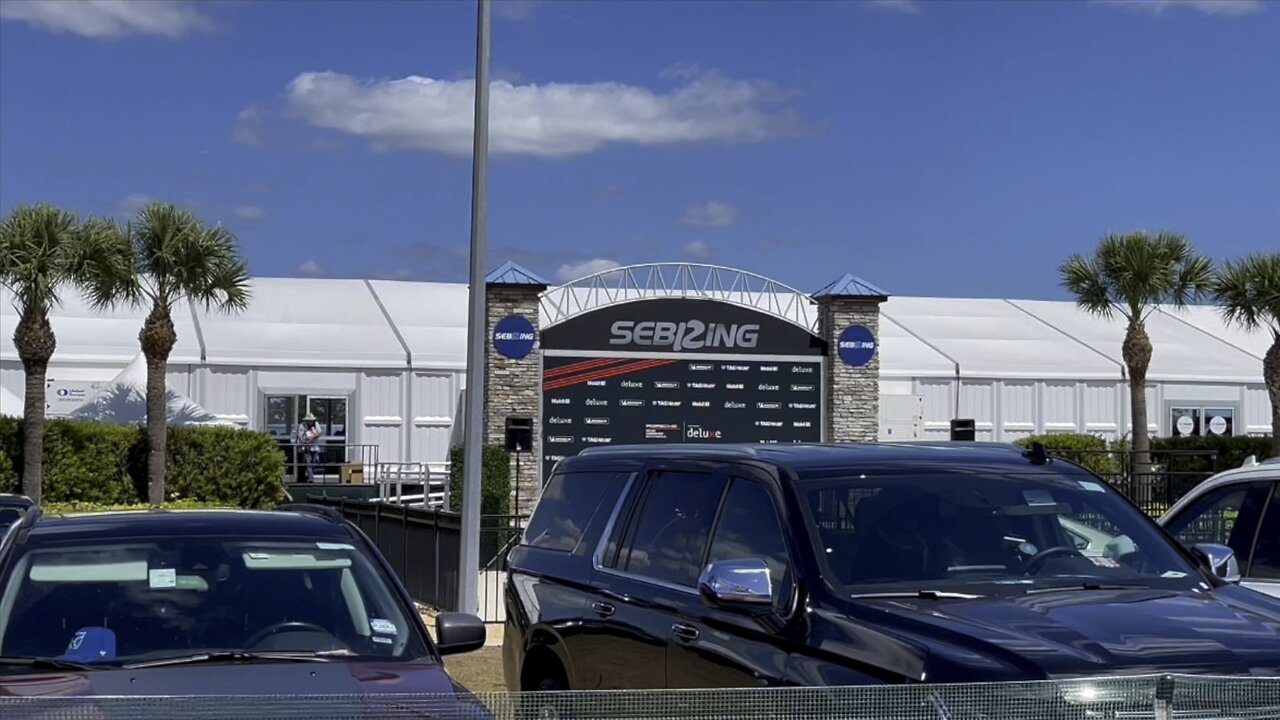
(1037, 454)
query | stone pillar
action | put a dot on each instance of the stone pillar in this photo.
(513, 387)
(852, 412)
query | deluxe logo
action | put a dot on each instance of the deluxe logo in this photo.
(731, 405)
(701, 367)
(768, 388)
(803, 406)
(560, 439)
(768, 406)
(801, 388)
(735, 386)
(666, 384)
(632, 384)
(688, 335)
(560, 421)
(802, 369)
(595, 421)
(701, 403)
(630, 403)
(769, 423)
(596, 439)
(667, 403)
(595, 402)
(597, 383)
(697, 432)
(559, 401)
(702, 386)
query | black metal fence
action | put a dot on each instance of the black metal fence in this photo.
(1170, 475)
(423, 545)
(329, 464)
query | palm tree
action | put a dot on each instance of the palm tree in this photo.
(176, 257)
(1248, 291)
(1130, 274)
(42, 250)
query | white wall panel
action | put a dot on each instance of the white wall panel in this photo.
(1017, 411)
(977, 401)
(434, 399)
(1256, 411)
(1102, 407)
(1155, 409)
(939, 407)
(1059, 409)
(225, 392)
(379, 404)
(178, 378)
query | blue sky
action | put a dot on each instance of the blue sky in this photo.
(933, 148)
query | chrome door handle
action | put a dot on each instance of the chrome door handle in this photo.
(603, 609)
(686, 633)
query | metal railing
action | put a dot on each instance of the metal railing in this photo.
(1158, 697)
(334, 463)
(412, 483)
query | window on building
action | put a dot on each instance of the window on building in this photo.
(1201, 421)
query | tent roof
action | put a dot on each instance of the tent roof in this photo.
(108, 337)
(430, 317)
(904, 355)
(1209, 320)
(124, 400)
(993, 338)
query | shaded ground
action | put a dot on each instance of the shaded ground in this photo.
(479, 671)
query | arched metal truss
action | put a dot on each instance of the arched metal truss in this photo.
(687, 280)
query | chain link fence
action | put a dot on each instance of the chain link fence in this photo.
(1158, 697)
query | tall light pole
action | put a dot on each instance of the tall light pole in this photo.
(473, 413)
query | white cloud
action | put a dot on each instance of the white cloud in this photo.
(249, 212)
(697, 250)
(1206, 7)
(310, 268)
(906, 7)
(249, 126)
(552, 120)
(573, 271)
(109, 18)
(711, 214)
(135, 202)
(515, 9)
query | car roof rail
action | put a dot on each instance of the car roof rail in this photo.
(30, 517)
(1249, 461)
(324, 511)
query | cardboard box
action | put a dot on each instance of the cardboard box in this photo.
(351, 473)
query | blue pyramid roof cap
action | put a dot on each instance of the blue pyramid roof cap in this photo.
(512, 274)
(849, 285)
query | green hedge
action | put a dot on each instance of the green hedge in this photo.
(495, 480)
(104, 464)
(1090, 450)
(85, 507)
(1231, 451)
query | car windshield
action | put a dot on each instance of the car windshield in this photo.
(177, 597)
(983, 532)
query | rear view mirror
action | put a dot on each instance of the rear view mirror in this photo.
(737, 582)
(1220, 559)
(458, 633)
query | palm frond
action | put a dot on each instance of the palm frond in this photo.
(104, 265)
(36, 255)
(1085, 278)
(180, 257)
(1248, 291)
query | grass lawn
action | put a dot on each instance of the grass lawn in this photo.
(478, 671)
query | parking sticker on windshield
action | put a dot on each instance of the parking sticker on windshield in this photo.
(382, 627)
(1173, 574)
(1105, 562)
(383, 640)
(1092, 486)
(162, 578)
(1038, 497)
(334, 546)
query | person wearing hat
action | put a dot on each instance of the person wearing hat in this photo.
(309, 444)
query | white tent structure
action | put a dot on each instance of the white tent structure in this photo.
(124, 401)
(10, 403)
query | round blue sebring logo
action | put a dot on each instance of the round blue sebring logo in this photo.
(857, 345)
(513, 337)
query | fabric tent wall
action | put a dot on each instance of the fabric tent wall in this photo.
(124, 401)
(10, 404)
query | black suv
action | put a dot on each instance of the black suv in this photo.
(704, 566)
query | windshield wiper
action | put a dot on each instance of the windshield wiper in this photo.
(921, 594)
(43, 663)
(230, 656)
(1084, 586)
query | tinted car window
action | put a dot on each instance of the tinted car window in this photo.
(885, 532)
(1266, 555)
(567, 504)
(749, 528)
(156, 598)
(672, 527)
(1226, 516)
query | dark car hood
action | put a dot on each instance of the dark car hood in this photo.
(1088, 633)
(220, 679)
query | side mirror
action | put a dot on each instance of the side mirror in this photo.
(458, 633)
(737, 582)
(1220, 559)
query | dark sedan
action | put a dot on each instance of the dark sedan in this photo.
(296, 602)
